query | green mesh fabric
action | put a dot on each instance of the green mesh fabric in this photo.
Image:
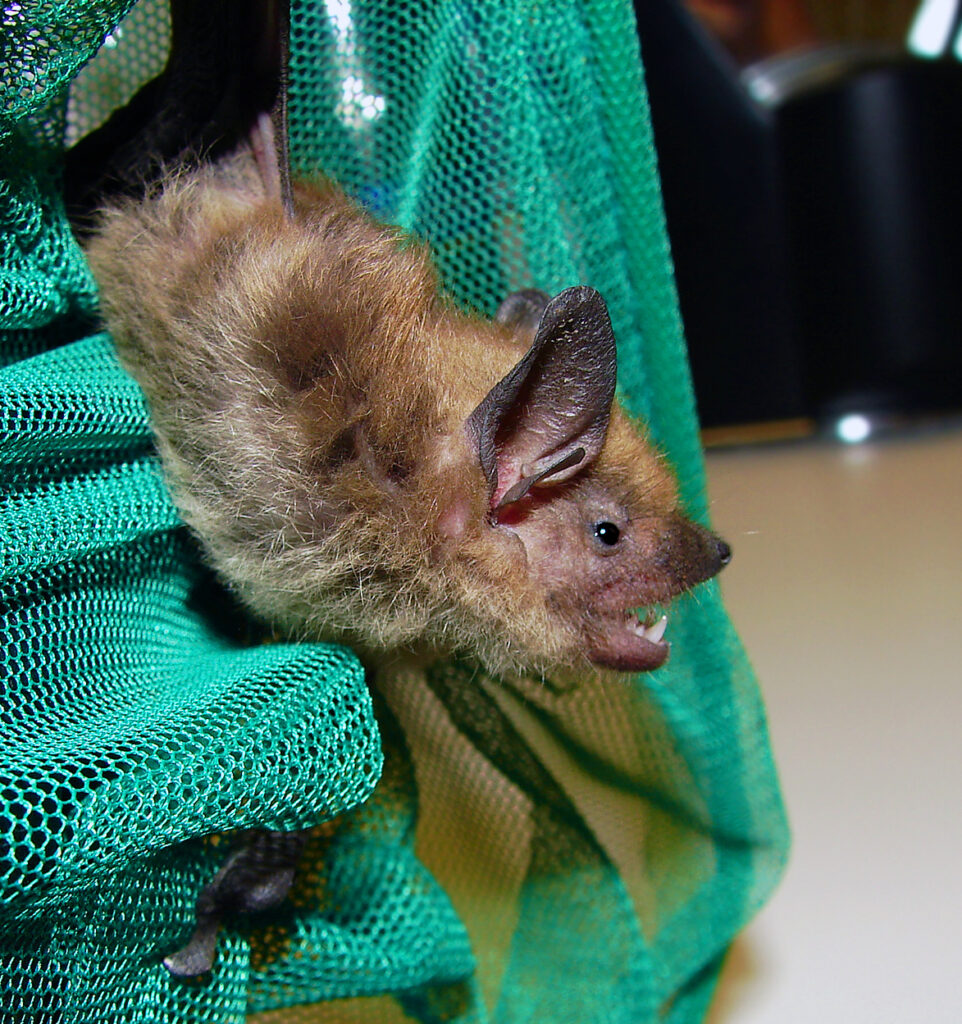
(481, 850)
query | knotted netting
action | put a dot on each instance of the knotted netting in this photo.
(481, 850)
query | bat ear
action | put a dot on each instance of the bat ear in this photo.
(523, 309)
(546, 419)
(268, 135)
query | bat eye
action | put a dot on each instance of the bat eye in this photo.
(607, 533)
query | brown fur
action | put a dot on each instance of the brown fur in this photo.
(309, 390)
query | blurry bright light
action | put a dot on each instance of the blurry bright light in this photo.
(12, 14)
(358, 104)
(853, 428)
(931, 26)
(342, 15)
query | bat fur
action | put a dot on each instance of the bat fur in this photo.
(363, 462)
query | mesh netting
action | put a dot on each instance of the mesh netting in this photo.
(480, 850)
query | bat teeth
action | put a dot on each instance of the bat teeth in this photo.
(653, 632)
(657, 631)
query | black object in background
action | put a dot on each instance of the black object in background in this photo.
(814, 207)
(716, 156)
(871, 168)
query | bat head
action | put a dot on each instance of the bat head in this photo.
(579, 494)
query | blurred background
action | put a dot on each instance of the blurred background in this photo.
(810, 161)
(810, 154)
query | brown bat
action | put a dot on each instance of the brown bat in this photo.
(365, 463)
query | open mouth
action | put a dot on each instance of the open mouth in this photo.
(633, 643)
(651, 627)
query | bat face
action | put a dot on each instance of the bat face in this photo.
(592, 504)
(604, 567)
(364, 464)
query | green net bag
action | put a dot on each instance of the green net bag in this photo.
(479, 849)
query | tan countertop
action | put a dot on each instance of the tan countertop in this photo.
(846, 587)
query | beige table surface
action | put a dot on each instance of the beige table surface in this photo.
(846, 587)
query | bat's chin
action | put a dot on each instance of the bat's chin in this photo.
(626, 644)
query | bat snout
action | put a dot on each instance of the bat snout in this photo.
(690, 554)
(620, 633)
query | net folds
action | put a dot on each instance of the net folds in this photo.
(480, 850)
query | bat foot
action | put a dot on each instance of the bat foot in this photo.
(256, 877)
(197, 957)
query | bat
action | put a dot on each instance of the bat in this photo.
(362, 461)
(365, 463)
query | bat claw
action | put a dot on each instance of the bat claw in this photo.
(197, 957)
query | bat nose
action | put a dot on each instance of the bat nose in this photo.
(724, 551)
